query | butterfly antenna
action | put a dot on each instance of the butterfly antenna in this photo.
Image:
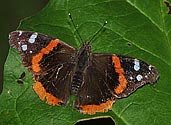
(98, 32)
(75, 27)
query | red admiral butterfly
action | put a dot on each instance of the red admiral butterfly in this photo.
(96, 79)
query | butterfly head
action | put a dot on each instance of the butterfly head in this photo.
(85, 47)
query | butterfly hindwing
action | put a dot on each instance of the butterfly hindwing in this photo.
(100, 80)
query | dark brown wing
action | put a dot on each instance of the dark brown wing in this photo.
(49, 60)
(108, 78)
(96, 94)
(137, 73)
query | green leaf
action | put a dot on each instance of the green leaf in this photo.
(136, 28)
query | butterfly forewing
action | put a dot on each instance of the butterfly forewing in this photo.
(137, 73)
(49, 60)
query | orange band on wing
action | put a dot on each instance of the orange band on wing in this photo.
(122, 80)
(92, 109)
(50, 46)
(41, 92)
(37, 58)
(35, 62)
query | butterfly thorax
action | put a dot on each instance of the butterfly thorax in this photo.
(82, 60)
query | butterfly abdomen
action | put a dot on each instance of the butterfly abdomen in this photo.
(77, 80)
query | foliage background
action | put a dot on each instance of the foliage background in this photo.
(11, 12)
(136, 28)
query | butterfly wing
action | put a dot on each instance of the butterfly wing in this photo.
(136, 72)
(96, 94)
(110, 77)
(49, 60)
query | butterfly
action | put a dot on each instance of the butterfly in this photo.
(97, 80)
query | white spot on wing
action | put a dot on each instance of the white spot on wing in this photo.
(131, 78)
(31, 51)
(139, 77)
(20, 32)
(24, 47)
(136, 65)
(32, 38)
(149, 67)
(88, 96)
